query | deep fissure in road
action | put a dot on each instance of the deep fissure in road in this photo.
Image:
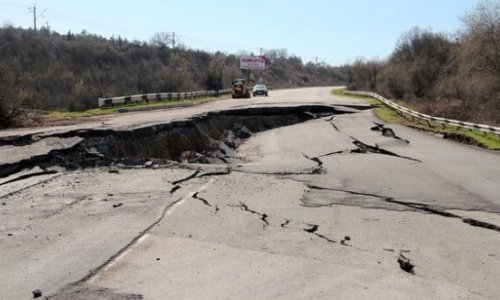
(208, 138)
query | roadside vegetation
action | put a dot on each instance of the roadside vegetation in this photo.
(55, 116)
(390, 116)
(455, 77)
(451, 76)
(50, 71)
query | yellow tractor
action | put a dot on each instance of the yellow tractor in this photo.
(240, 89)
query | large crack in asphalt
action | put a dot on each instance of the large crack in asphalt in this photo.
(209, 138)
(363, 148)
(422, 207)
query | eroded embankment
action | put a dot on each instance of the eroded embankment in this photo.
(206, 138)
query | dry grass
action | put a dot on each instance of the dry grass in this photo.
(478, 138)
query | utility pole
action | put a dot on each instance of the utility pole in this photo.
(173, 40)
(33, 9)
(34, 16)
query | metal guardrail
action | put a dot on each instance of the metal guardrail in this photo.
(401, 109)
(141, 98)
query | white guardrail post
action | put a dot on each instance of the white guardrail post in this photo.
(401, 109)
(111, 101)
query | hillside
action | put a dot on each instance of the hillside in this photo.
(50, 71)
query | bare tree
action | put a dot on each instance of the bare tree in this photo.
(215, 72)
(10, 102)
(481, 40)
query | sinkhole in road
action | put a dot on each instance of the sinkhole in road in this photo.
(207, 138)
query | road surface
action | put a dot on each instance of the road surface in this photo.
(321, 209)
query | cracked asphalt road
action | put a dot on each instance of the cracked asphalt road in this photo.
(308, 212)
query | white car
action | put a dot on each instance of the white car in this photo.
(260, 89)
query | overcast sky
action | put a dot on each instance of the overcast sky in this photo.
(334, 31)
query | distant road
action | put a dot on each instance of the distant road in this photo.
(305, 95)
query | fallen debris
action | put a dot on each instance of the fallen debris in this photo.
(313, 228)
(37, 293)
(117, 205)
(405, 264)
(387, 132)
(241, 131)
(93, 151)
(345, 240)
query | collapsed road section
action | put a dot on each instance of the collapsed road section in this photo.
(206, 138)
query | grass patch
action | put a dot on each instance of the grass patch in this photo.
(482, 139)
(66, 115)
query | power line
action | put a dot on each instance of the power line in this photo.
(174, 38)
(112, 29)
(33, 9)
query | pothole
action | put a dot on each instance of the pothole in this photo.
(210, 138)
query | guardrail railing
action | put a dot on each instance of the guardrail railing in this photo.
(141, 98)
(401, 109)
